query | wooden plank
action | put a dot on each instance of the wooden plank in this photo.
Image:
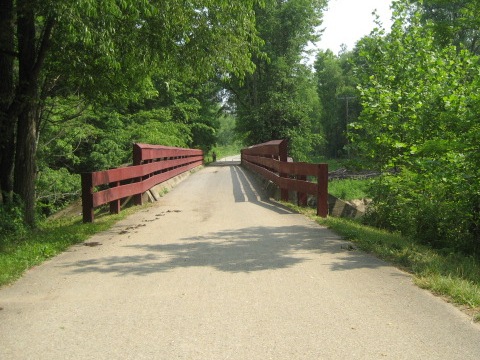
(87, 198)
(284, 183)
(131, 172)
(289, 168)
(270, 148)
(144, 174)
(322, 192)
(149, 152)
(119, 192)
(270, 160)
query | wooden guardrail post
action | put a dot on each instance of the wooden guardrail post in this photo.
(137, 160)
(302, 198)
(115, 204)
(87, 197)
(322, 190)
(283, 156)
(153, 164)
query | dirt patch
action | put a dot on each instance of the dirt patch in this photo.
(72, 210)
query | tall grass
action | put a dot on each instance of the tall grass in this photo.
(454, 276)
(333, 164)
(349, 189)
(227, 150)
(20, 252)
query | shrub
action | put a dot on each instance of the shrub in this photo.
(438, 206)
(11, 222)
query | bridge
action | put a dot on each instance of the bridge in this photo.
(217, 270)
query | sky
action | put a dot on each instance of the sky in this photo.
(347, 21)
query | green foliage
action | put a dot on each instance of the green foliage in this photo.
(228, 142)
(157, 126)
(56, 188)
(278, 100)
(438, 205)
(350, 189)
(111, 49)
(453, 21)
(419, 117)
(11, 222)
(226, 133)
(336, 87)
(412, 92)
(29, 247)
(110, 54)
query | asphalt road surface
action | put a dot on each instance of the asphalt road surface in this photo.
(216, 271)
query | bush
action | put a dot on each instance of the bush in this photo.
(439, 206)
(11, 222)
(55, 188)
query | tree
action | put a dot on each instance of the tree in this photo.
(420, 105)
(7, 128)
(454, 21)
(336, 87)
(99, 49)
(271, 102)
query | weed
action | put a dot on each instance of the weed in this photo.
(450, 274)
(27, 249)
(349, 189)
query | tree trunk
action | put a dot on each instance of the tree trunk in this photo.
(25, 167)
(25, 164)
(7, 123)
(31, 57)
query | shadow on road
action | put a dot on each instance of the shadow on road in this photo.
(247, 189)
(236, 251)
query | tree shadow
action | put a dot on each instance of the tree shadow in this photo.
(246, 188)
(243, 250)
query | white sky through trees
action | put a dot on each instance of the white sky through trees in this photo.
(347, 21)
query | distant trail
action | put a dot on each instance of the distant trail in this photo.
(216, 271)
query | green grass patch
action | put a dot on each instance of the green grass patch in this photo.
(349, 189)
(453, 276)
(224, 151)
(18, 254)
(333, 164)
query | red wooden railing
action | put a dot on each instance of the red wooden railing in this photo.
(152, 164)
(270, 160)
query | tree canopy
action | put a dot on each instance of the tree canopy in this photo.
(279, 99)
(420, 120)
(104, 52)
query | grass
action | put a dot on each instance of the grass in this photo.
(18, 254)
(333, 164)
(228, 150)
(349, 189)
(345, 189)
(455, 277)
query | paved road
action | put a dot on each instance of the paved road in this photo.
(215, 271)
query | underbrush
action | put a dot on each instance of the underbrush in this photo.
(224, 151)
(349, 189)
(21, 250)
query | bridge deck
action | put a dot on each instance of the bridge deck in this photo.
(216, 271)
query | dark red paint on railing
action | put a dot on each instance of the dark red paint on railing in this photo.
(152, 164)
(270, 160)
